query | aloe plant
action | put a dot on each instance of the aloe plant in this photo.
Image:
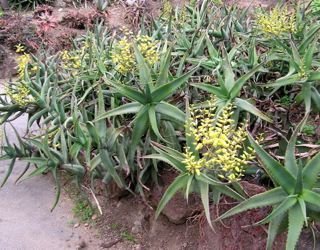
(149, 102)
(303, 67)
(203, 182)
(228, 89)
(295, 197)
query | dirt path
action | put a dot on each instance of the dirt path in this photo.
(25, 219)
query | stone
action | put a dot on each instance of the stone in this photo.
(177, 209)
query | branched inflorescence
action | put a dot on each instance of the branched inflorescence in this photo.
(123, 55)
(23, 62)
(219, 142)
(276, 22)
(167, 9)
(19, 93)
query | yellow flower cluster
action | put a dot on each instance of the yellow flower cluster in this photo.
(303, 71)
(148, 49)
(193, 164)
(123, 56)
(219, 142)
(123, 53)
(71, 60)
(167, 9)
(277, 22)
(20, 48)
(19, 93)
(178, 18)
(23, 62)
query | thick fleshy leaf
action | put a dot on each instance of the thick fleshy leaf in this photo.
(309, 38)
(204, 194)
(295, 53)
(205, 178)
(100, 110)
(267, 198)
(303, 207)
(127, 91)
(174, 153)
(247, 106)
(179, 183)
(110, 167)
(314, 76)
(75, 169)
(282, 208)
(308, 56)
(275, 170)
(235, 91)
(167, 159)
(129, 108)
(315, 97)
(164, 68)
(171, 111)
(273, 230)
(139, 128)
(311, 171)
(215, 90)
(9, 171)
(295, 226)
(58, 187)
(311, 197)
(154, 122)
(219, 186)
(164, 91)
(229, 81)
(290, 157)
(306, 94)
(284, 81)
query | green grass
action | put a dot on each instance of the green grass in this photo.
(285, 101)
(309, 130)
(127, 236)
(83, 210)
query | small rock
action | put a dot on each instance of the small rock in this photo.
(76, 225)
(86, 225)
(81, 245)
(137, 247)
(94, 217)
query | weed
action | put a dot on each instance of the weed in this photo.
(309, 130)
(83, 210)
(127, 236)
(115, 226)
(285, 100)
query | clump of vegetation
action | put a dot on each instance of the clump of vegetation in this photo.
(309, 129)
(127, 236)
(191, 93)
(277, 22)
(83, 210)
